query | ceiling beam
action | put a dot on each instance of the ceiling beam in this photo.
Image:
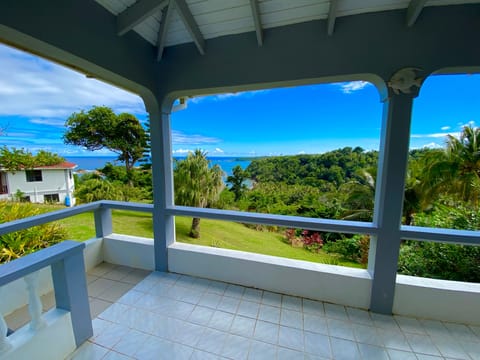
(257, 22)
(332, 16)
(414, 9)
(190, 24)
(138, 12)
(162, 32)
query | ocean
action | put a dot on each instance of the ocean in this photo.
(90, 163)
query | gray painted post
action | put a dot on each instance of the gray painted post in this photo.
(71, 293)
(163, 224)
(103, 221)
(392, 166)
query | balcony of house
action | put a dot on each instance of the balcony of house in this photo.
(218, 303)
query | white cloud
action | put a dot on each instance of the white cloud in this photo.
(301, 152)
(182, 151)
(218, 150)
(432, 145)
(47, 121)
(435, 135)
(179, 138)
(352, 86)
(445, 128)
(33, 87)
(225, 96)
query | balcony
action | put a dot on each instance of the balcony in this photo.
(218, 303)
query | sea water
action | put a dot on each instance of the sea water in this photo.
(90, 163)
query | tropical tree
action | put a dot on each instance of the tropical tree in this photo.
(237, 179)
(17, 159)
(197, 184)
(99, 128)
(457, 170)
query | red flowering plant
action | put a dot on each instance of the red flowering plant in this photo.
(310, 240)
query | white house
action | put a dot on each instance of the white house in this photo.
(53, 183)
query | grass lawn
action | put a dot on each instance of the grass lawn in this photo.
(216, 233)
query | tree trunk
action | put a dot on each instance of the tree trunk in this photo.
(195, 231)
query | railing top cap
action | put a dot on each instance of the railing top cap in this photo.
(25, 265)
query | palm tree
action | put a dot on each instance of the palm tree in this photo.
(359, 195)
(197, 184)
(457, 170)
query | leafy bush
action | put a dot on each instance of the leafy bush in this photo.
(355, 248)
(19, 243)
(443, 261)
(440, 261)
(310, 240)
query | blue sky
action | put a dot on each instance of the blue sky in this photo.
(37, 96)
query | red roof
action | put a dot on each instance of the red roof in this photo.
(63, 165)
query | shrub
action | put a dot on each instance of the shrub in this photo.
(310, 240)
(19, 243)
(441, 261)
(355, 248)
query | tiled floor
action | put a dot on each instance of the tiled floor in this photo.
(106, 284)
(169, 316)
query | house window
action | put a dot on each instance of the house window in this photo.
(34, 175)
(51, 198)
(70, 174)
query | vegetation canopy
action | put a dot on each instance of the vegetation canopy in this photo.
(17, 159)
(197, 184)
(100, 128)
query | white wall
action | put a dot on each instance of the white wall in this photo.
(335, 284)
(53, 182)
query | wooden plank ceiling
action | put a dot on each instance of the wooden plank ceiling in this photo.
(165, 23)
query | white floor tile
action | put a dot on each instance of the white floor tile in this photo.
(243, 326)
(291, 318)
(252, 295)
(315, 323)
(344, 349)
(335, 311)
(422, 344)
(236, 347)
(272, 299)
(269, 313)
(89, 351)
(340, 329)
(291, 338)
(289, 354)
(372, 352)
(262, 351)
(221, 320)
(266, 332)
(248, 308)
(228, 304)
(313, 307)
(400, 355)
(291, 303)
(167, 316)
(212, 341)
(317, 344)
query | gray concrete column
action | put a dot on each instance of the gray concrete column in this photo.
(392, 166)
(103, 222)
(161, 148)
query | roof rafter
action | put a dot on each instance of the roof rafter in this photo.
(332, 16)
(257, 21)
(162, 32)
(138, 12)
(190, 24)
(414, 9)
